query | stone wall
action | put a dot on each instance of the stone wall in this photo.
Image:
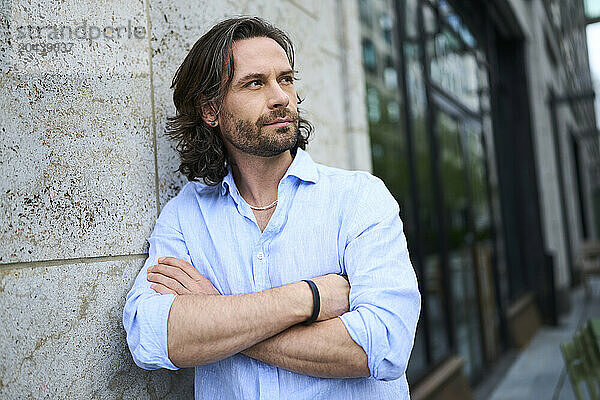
(86, 168)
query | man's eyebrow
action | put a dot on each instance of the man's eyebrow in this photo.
(249, 77)
(256, 75)
(287, 72)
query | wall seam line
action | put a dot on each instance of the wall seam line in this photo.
(341, 38)
(69, 261)
(152, 106)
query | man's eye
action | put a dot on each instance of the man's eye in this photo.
(288, 79)
(253, 83)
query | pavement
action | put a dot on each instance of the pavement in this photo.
(538, 372)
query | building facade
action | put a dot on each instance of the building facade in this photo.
(482, 123)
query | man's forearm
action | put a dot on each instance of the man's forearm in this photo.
(323, 349)
(203, 329)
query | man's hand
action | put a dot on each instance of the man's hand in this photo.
(172, 275)
(334, 291)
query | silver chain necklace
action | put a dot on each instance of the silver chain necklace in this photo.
(263, 208)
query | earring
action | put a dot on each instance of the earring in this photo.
(213, 123)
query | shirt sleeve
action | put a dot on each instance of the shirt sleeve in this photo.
(384, 297)
(146, 312)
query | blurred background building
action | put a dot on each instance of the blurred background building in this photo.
(478, 115)
(482, 123)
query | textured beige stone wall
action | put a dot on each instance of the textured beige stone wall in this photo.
(85, 168)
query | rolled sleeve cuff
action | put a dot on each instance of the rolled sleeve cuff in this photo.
(356, 327)
(368, 331)
(152, 351)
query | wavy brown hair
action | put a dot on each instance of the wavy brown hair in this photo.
(202, 80)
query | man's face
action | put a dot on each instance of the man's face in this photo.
(259, 114)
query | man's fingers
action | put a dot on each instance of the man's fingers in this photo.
(184, 273)
(169, 260)
(172, 272)
(168, 282)
(183, 265)
(162, 289)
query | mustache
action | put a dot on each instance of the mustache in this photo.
(271, 117)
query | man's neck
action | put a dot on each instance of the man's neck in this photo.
(257, 178)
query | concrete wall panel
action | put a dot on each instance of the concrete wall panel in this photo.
(62, 335)
(76, 148)
(77, 166)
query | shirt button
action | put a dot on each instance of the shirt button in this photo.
(260, 255)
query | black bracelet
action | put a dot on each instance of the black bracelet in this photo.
(316, 302)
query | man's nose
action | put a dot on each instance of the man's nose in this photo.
(278, 98)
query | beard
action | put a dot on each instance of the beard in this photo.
(255, 138)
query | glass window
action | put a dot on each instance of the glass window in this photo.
(592, 8)
(429, 227)
(465, 301)
(483, 246)
(373, 105)
(364, 10)
(390, 75)
(596, 202)
(386, 22)
(389, 149)
(430, 21)
(369, 55)
(453, 62)
(411, 8)
(454, 267)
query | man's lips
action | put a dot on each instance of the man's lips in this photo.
(279, 122)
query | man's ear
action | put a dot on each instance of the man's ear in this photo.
(209, 115)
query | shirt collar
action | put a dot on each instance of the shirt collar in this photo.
(302, 167)
(227, 181)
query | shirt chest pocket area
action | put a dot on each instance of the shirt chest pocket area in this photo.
(229, 272)
(303, 259)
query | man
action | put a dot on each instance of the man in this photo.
(223, 287)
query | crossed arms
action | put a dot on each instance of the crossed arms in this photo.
(204, 327)
(368, 331)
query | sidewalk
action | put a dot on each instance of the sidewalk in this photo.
(538, 372)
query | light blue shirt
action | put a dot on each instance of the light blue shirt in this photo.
(327, 220)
